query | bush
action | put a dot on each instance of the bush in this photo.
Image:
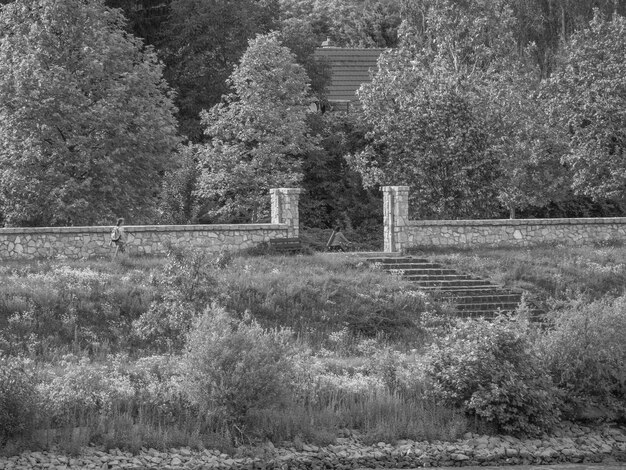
(585, 351)
(234, 367)
(78, 390)
(159, 395)
(185, 287)
(488, 370)
(17, 398)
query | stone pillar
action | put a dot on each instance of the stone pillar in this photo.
(285, 209)
(396, 217)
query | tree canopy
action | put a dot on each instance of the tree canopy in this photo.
(202, 41)
(587, 98)
(86, 120)
(463, 114)
(258, 134)
(484, 108)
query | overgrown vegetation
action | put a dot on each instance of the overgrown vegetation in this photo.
(550, 272)
(219, 351)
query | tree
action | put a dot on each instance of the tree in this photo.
(527, 147)
(258, 134)
(425, 135)
(203, 41)
(333, 192)
(348, 23)
(178, 203)
(146, 18)
(86, 120)
(422, 108)
(305, 24)
(455, 114)
(548, 23)
(587, 98)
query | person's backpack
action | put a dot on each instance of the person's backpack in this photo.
(116, 233)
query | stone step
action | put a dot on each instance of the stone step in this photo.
(439, 277)
(371, 254)
(406, 260)
(491, 306)
(436, 271)
(469, 295)
(478, 298)
(477, 313)
(486, 289)
(409, 266)
(446, 285)
(535, 315)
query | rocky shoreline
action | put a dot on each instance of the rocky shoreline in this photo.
(570, 444)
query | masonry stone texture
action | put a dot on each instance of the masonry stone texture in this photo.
(402, 233)
(87, 242)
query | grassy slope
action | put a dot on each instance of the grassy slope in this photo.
(47, 308)
(549, 272)
(74, 304)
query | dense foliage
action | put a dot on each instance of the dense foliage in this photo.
(520, 109)
(586, 352)
(17, 396)
(489, 370)
(86, 119)
(258, 135)
(588, 98)
(235, 367)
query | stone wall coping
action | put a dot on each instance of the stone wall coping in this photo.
(519, 222)
(286, 191)
(390, 189)
(145, 228)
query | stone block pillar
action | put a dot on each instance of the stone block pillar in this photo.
(285, 209)
(395, 217)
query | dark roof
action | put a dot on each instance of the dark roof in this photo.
(349, 68)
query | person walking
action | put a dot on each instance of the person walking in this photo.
(118, 237)
(337, 241)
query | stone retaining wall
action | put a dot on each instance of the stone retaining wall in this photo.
(402, 233)
(86, 242)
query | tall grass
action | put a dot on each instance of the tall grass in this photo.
(320, 294)
(358, 334)
(96, 379)
(55, 307)
(550, 272)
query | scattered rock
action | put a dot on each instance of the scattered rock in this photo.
(573, 444)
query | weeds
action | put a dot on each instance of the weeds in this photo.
(328, 343)
(550, 272)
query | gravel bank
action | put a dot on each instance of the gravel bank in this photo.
(571, 444)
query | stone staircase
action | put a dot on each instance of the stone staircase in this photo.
(470, 296)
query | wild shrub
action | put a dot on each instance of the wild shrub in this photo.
(585, 350)
(184, 288)
(54, 305)
(235, 366)
(17, 398)
(77, 390)
(189, 274)
(488, 369)
(159, 396)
